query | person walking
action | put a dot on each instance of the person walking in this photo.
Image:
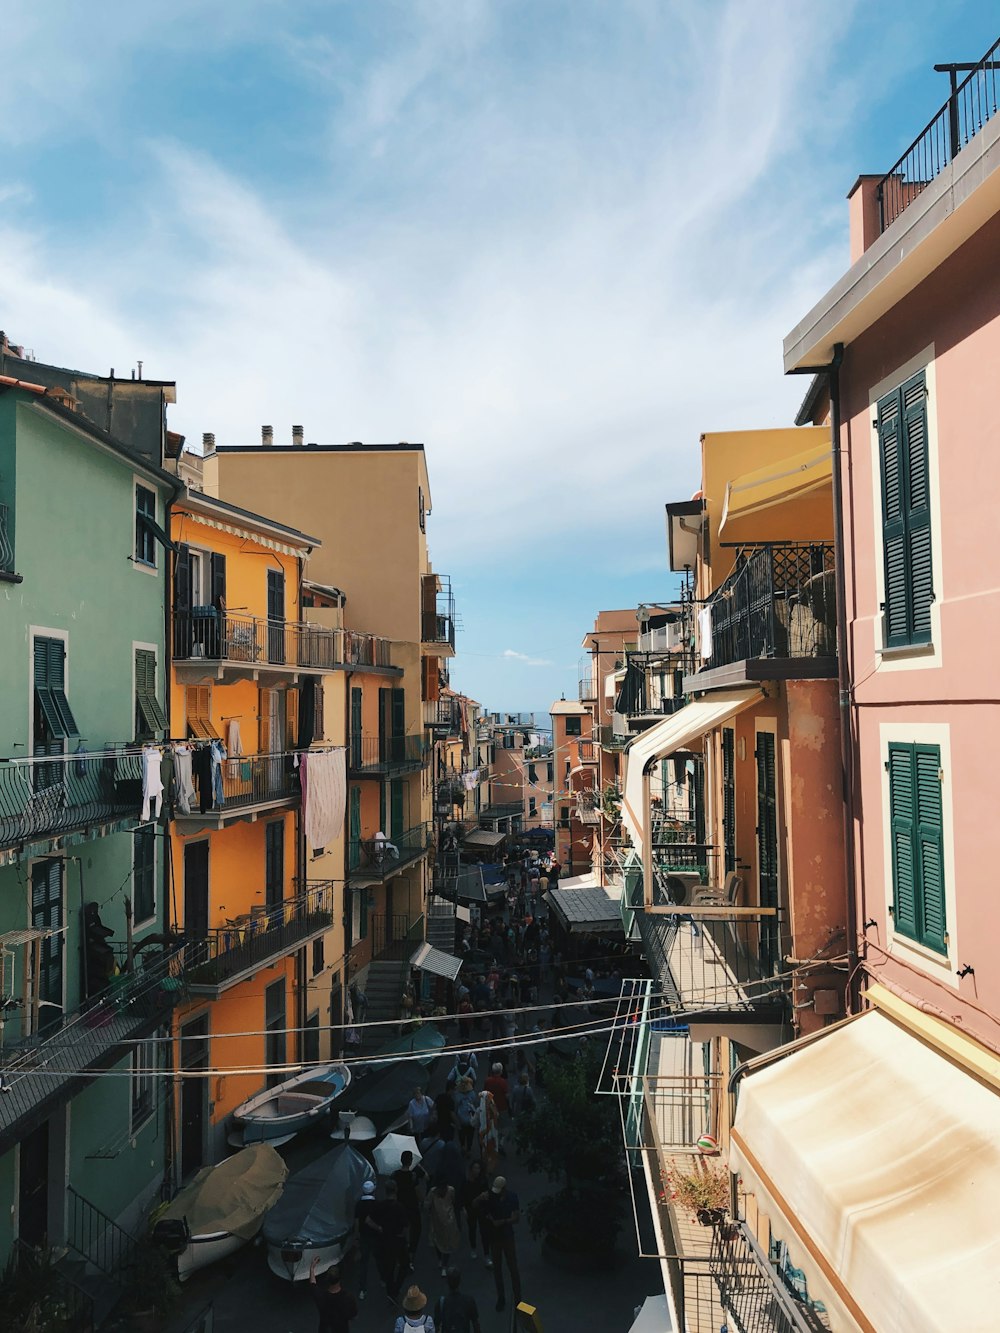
(503, 1209)
(499, 1088)
(443, 1221)
(418, 1114)
(522, 1098)
(336, 1306)
(489, 1131)
(472, 1189)
(465, 1114)
(365, 1215)
(408, 1179)
(456, 1311)
(414, 1314)
(392, 1254)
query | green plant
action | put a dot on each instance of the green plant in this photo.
(33, 1295)
(150, 1280)
(705, 1188)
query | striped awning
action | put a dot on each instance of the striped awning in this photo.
(436, 961)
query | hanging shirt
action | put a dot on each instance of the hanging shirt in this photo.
(705, 632)
(218, 753)
(152, 782)
(234, 742)
(183, 780)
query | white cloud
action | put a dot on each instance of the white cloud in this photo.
(527, 659)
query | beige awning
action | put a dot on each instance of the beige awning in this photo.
(878, 1163)
(674, 733)
(773, 485)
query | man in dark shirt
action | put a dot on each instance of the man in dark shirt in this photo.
(366, 1216)
(456, 1312)
(392, 1253)
(336, 1306)
(503, 1209)
(409, 1179)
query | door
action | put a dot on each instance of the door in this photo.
(356, 716)
(274, 869)
(33, 1188)
(47, 914)
(397, 726)
(196, 891)
(384, 725)
(274, 1026)
(354, 846)
(397, 810)
(767, 846)
(194, 1055)
(276, 615)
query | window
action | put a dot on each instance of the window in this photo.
(149, 717)
(47, 914)
(548, 772)
(274, 866)
(143, 1081)
(279, 720)
(917, 837)
(572, 726)
(906, 515)
(532, 775)
(532, 805)
(729, 796)
(144, 873)
(564, 814)
(318, 958)
(54, 721)
(198, 707)
(274, 1028)
(145, 526)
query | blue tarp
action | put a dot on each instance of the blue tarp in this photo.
(317, 1207)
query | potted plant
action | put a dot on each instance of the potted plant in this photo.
(33, 1297)
(575, 1139)
(703, 1191)
(151, 1289)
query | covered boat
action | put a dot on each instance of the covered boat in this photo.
(222, 1208)
(314, 1218)
(277, 1114)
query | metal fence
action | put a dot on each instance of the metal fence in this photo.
(972, 103)
(206, 632)
(376, 754)
(376, 860)
(736, 1279)
(366, 649)
(57, 794)
(779, 601)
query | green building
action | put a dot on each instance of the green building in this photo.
(84, 1129)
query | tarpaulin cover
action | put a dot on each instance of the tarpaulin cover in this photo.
(233, 1196)
(317, 1206)
(389, 1087)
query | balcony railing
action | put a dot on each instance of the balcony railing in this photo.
(6, 545)
(239, 640)
(228, 954)
(612, 740)
(972, 103)
(366, 649)
(38, 1072)
(383, 754)
(779, 602)
(247, 781)
(501, 810)
(371, 860)
(588, 807)
(444, 715)
(47, 797)
(438, 619)
(394, 936)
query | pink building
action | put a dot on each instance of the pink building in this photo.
(873, 1149)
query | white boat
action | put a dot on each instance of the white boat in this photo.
(277, 1114)
(314, 1218)
(221, 1209)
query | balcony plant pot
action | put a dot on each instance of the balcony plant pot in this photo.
(711, 1217)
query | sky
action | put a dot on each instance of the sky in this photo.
(555, 240)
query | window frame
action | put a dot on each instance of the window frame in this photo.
(143, 1074)
(148, 709)
(144, 536)
(574, 725)
(139, 920)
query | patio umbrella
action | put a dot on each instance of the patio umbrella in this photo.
(388, 1155)
(355, 1128)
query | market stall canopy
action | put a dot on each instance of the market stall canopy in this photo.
(877, 1161)
(232, 1196)
(675, 733)
(436, 961)
(777, 483)
(484, 839)
(586, 907)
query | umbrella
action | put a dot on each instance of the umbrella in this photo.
(356, 1128)
(388, 1155)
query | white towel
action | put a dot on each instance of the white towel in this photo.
(705, 632)
(234, 743)
(152, 782)
(325, 795)
(184, 797)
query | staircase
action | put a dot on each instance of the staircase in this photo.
(97, 1257)
(441, 925)
(384, 988)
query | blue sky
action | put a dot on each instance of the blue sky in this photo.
(553, 239)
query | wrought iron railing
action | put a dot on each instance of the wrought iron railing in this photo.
(39, 1071)
(205, 632)
(366, 649)
(609, 739)
(6, 545)
(228, 953)
(244, 782)
(394, 936)
(43, 797)
(368, 859)
(972, 103)
(779, 602)
(438, 624)
(379, 754)
(444, 715)
(95, 1236)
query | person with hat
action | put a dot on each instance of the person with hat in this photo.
(365, 1211)
(456, 1311)
(414, 1313)
(336, 1306)
(503, 1209)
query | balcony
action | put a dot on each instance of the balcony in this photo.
(247, 785)
(501, 810)
(7, 574)
(54, 797)
(374, 756)
(444, 716)
(610, 739)
(230, 954)
(39, 1073)
(437, 626)
(588, 807)
(361, 650)
(372, 863)
(235, 647)
(774, 618)
(972, 104)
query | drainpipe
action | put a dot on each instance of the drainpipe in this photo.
(832, 372)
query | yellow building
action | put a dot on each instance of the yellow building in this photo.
(248, 699)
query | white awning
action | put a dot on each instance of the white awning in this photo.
(877, 1161)
(429, 959)
(674, 733)
(484, 837)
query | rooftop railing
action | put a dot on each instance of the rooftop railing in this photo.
(205, 632)
(47, 797)
(972, 104)
(779, 602)
(229, 953)
(382, 754)
(371, 859)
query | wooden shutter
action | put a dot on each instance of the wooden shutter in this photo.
(930, 845)
(903, 833)
(50, 688)
(148, 713)
(274, 863)
(399, 712)
(397, 823)
(431, 682)
(319, 723)
(356, 723)
(47, 914)
(909, 588)
(291, 719)
(198, 709)
(182, 581)
(264, 721)
(218, 581)
(354, 846)
(144, 873)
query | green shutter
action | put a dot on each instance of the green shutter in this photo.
(50, 688)
(354, 846)
(144, 873)
(396, 807)
(148, 713)
(930, 843)
(909, 588)
(47, 914)
(356, 704)
(901, 819)
(917, 830)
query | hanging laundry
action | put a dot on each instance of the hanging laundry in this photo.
(470, 781)
(152, 782)
(201, 763)
(218, 754)
(705, 632)
(234, 742)
(184, 797)
(324, 774)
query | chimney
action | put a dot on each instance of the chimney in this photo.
(298, 437)
(207, 442)
(864, 214)
(267, 436)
